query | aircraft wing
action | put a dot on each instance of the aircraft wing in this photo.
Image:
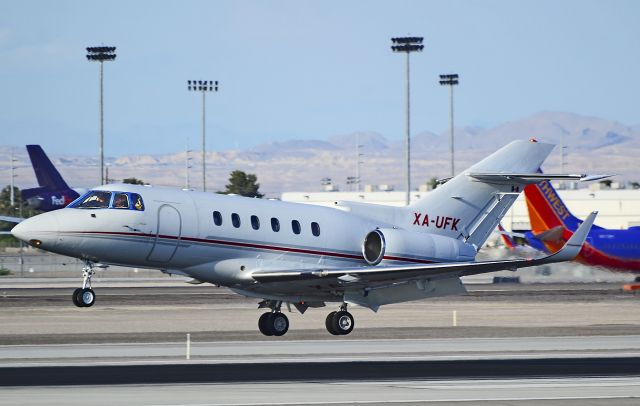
(433, 271)
(10, 219)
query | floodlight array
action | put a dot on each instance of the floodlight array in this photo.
(202, 85)
(101, 54)
(451, 79)
(407, 44)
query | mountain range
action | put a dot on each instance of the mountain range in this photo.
(592, 144)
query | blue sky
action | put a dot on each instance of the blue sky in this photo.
(303, 69)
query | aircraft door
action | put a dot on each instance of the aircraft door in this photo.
(168, 234)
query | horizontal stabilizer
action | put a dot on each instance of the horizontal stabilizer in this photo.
(10, 219)
(552, 235)
(527, 178)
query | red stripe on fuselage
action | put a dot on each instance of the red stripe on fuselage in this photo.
(592, 256)
(253, 245)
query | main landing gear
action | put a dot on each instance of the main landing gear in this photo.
(274, 323)
(341, 322)
(84, 296)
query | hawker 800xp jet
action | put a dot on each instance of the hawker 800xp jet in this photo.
(298, 254)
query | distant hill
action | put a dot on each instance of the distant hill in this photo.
(592, 144)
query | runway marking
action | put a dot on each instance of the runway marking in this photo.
(384, 402)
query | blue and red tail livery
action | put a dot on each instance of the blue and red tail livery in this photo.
(53, 192)
(552, 223)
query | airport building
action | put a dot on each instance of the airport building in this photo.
(617, 207)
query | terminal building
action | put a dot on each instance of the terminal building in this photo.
(617, 207)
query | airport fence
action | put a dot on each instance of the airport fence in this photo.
(44, 265)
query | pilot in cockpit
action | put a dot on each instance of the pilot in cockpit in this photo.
(121, 201)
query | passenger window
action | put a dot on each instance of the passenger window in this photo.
(295, 226)
(121, 201)
(95, 200)
(235, 220)
(255, 222)
(275, 224)
(137, 201)
(217, 218)
(315, 229)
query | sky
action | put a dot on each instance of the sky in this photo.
(303, 69)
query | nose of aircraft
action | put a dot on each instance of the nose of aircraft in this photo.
(40, 231)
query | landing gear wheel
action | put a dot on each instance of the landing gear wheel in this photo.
(273, 324)
(279, 324)
(76, 297)
(329, 324)
(340, 323)
(263, 324)
(87, 297)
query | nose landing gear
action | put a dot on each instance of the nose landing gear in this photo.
(85, 297)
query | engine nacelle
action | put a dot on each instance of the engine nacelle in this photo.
(399, 245)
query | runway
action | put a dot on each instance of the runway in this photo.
(512, 345)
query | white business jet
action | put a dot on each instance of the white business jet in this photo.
(298, 254)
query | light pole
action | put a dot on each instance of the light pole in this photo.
(358, 162)
(101, 54)
(203, 86)
(450, 80)
(187, 166)
(407, 45)
(13, 175)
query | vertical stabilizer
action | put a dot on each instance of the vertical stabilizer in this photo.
(48, 176)
(546, 209)
(469, 208)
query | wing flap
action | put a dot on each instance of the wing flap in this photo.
(439, 270)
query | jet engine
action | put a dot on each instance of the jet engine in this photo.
(394, 244)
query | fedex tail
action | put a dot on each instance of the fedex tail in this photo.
(53, 192)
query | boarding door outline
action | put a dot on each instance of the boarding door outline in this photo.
(167, 240)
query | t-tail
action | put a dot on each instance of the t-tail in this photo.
(470, 205)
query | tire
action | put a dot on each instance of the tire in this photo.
(264, 324)
(343, 322)
(75, 297)
(329, 324)
(279, 324)
(87, 297)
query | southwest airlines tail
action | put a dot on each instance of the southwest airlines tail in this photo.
(547, 211)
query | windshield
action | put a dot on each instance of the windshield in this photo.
(100, 199)
(94, 200)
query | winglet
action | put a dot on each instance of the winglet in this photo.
(571, 249)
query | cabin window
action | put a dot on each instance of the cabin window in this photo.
(255, 222)
(315, 229)
(295, 226)
(138, 204)
(96, 199)
(121, 201)
(275, 224)
(217, 218)
(235, 220)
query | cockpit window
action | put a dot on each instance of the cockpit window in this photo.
(96, 199)
(100, 199)
(121, 201)
(138, 204)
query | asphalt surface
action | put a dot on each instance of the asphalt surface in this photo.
(567, 344)
(318, 371)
